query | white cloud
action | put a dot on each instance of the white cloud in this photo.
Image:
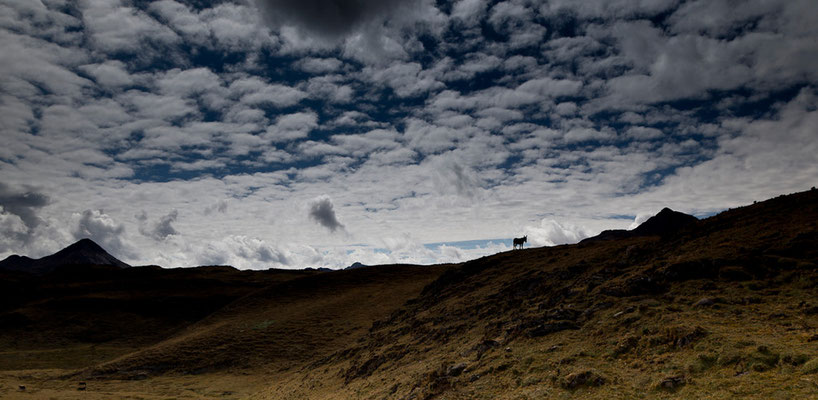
(469, 10)
(110, 73)
(101, 228)
(274, 94)
(292, 126)
(116, 28)
(315, 65)
(552, 233)
(643, 132)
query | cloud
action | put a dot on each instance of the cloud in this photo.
(12, 229)
(110, 74)
(19, 210)
(161, 229)
(639, 219)
(322, 211)
(319, 65)
(292, 126)
(331, 19)
(117, 28)
(242, 251)
(101, 228)
(220, 207)
(643, 132)
(456, 177)
(552, 233)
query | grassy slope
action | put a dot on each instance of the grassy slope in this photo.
(605, 320)
(71, 320)
(280, 326)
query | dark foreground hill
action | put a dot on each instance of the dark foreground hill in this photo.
(720, 308)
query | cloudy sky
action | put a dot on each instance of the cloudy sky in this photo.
(318, 133)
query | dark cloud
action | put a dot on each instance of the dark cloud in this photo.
(164, 227)
(330, 19)
(323, 212)
(23, 204)
(161, 229)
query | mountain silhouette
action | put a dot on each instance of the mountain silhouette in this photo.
(665, 223)
(83, 252)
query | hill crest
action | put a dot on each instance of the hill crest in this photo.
(665, 223)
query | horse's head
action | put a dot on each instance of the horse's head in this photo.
(525, 238)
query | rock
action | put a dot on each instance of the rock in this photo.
(625, 345)
(672, 383)
(563, 314)
(735, 274)
(482, 347)
(811, 310)
(590, 311)
(704, 302)
(551, 327)
(582, 378)
(456, 369)
(625, 311)
(682, 336)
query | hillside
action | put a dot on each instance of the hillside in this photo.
(723, 307)
(84, 314)
(282, 326)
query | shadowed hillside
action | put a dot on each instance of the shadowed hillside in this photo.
(281, 326)
(91, 312)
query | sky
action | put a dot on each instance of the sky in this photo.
(319, 133)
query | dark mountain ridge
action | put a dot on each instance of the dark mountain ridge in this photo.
(666, 223)
(83, 252)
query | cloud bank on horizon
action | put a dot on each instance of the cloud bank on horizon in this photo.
(318, 133)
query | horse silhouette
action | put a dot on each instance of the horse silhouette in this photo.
(520, 241)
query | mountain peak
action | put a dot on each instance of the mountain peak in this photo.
(86, 244)
(665, 222)
(83, 252)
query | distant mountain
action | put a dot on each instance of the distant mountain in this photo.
(665, 223)
(355, 265)
(83, 252)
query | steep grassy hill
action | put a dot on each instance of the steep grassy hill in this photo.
(725, 308)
